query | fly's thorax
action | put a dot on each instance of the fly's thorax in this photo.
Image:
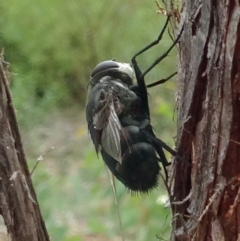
(110, 89)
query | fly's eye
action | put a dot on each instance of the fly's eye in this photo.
(103, 66)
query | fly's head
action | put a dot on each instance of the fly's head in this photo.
(111, 69)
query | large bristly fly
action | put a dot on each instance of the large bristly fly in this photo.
(119, 121)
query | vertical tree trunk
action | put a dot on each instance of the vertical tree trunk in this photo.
(18, 201)
(207, 194)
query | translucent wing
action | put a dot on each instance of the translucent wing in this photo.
(107, 121)
(111, 135)
(107, 100)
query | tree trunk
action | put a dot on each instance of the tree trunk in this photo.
(206, 193)
(18, 201)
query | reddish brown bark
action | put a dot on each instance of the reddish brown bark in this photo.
(18, 201)
(208, 192)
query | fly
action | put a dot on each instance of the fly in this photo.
(118, 118)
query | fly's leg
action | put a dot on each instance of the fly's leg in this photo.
(155, 42)
(138, 72)
(162, 81)
(159, 59)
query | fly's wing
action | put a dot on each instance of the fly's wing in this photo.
(102, 115)
(111, 142)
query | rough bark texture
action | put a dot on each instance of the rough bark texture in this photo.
(207, 193)
(18, 201)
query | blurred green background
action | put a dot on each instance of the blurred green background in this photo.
(53, 45)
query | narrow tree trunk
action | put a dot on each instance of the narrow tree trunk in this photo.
(18, 201)
(207, 193)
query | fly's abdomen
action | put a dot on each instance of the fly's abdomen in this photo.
(140, 163)
(139, 167)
